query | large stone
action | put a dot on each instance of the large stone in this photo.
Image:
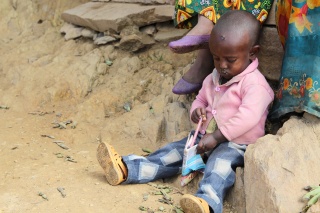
(71, 31)
(104, 16)
(149, 30)
(104, 40)
(278, 167)
(166, 32)
(177, 120)
(135, 42)
(271, 53)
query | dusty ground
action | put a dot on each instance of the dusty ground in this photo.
(30, 165)
(45, 80)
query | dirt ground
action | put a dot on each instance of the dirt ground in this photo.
(31, 165)
(45, 80)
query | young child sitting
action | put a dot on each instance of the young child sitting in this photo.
(235, 97)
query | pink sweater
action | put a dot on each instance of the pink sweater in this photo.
(240, 106)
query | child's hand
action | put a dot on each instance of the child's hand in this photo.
(197, 114)
(207, 143)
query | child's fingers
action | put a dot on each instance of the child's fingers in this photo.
(206, 143)
(201, 148)
(197, 114)
(203, 113)
(195, 117)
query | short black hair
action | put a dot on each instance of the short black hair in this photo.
(240, 22)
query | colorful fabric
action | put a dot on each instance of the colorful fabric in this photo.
(186, 11)
(195, 163)
(298, 23)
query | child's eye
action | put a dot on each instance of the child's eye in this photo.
(231, 60)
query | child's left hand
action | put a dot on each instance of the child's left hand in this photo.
(207, 143)
(197, 114)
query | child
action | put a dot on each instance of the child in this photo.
(235, 97)
(200, 16)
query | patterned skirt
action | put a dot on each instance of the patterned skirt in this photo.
(186, 11)
(298, 23)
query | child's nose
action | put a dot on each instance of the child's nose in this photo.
(223, 64)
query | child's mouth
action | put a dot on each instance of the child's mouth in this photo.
(224, 71)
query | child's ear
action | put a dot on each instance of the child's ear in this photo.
(254, 52)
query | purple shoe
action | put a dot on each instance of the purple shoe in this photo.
(184, 87)
(190, 43)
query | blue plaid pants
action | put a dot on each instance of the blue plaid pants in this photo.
(219, 174)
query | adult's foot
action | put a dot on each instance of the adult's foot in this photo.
(193, 78)
(196, 38)
(203, 27)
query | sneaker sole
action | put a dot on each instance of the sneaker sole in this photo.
(109, 164)
(191, 204)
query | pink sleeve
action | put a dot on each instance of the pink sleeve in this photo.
(201, 99)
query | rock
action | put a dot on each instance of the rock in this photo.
(150, 29)
(166, 32)
(128, 21)
(131, 64)
(88, 33)
(165, 26)
(271, 53)
(102, 68)
(107, 51)
(71, 31)
(278, 167)
(101, 16)
(167, 36)
(152, 123)
(129, 30)
(135, 42)
(177, 120)
(104, 40)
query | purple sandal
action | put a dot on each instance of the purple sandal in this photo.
(190, 43)
(184, 87)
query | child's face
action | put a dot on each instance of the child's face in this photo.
(231, 54)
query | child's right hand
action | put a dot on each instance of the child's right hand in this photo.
(207, 143)
(197, 114)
